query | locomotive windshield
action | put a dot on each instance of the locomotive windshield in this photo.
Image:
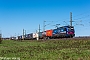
(71, 29)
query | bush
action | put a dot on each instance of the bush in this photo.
(0, 40)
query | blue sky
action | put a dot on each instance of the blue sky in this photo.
(28, 14)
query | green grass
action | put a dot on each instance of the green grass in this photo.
(46, 50)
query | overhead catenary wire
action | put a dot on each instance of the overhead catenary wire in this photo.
(82, 13)
(82, 17)
(45, 24)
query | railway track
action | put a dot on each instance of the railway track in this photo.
(75, 38)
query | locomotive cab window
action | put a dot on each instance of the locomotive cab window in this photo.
(70, 29)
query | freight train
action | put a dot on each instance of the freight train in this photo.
(60, 32)
(31, 36)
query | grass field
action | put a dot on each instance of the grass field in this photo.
(46, 50)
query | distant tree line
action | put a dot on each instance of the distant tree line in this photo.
(0, 38)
